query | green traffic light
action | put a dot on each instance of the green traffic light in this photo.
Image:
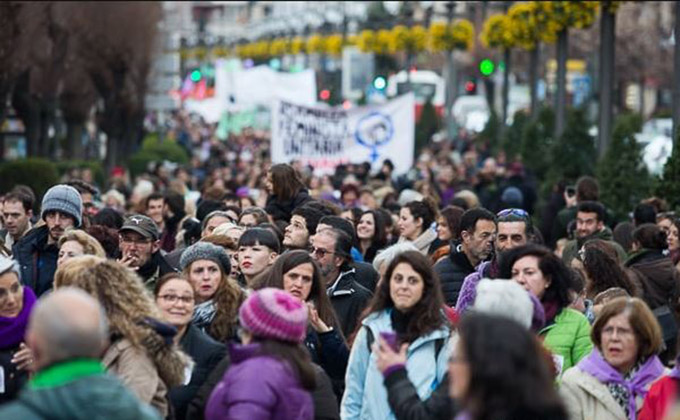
(379, 83)
(195, 75)
(486, 67)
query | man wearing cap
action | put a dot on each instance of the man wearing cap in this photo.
(139, 245)
(37, 252)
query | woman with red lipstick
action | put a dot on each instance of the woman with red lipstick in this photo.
(612, 382)
(298, 274)
(257, 251)
(217, 297)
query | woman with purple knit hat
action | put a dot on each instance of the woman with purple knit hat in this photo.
(16, 303)
(271, 375)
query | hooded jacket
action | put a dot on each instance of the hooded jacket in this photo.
(452, 272)
(365, 393)
(76, 396)
(37, 260)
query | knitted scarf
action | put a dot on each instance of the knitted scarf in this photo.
(12, 330)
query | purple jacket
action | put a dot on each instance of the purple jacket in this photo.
(258, 387)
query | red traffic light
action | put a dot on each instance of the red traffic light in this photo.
(325, 94)
(470, 86)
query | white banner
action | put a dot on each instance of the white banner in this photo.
(327, 137)
(262, 85)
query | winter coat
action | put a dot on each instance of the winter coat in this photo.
(659, 279)
(349, 299)
(468, 291)
(452, 272)
(587, 398)
(365, 393)
(137, 372)
(407, 405)
(259, 387)
(37, 260)
(325, 402)
(572, 247)
(567, 338)
(154, 269)
(14, 379)
(206, 354)
(366, 275)
(282, 210)
(424, 241)
(329, 351)
(662, 395)
(76, 397)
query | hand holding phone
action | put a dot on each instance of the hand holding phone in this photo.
(391, 339)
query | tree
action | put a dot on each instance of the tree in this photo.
(623, 176)
(606, 77)
(537, 140)
(676, 78)
(497, 33)
(669, 184)
(428, 125)
(565, 15)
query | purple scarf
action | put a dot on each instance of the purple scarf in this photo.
(675, 373)
(12, 330)
(595, 365)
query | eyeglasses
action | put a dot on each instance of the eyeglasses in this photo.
(174, 298)
(128, 240)
(513, 212)
(320, 252)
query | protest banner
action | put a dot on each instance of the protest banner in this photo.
(327, 137)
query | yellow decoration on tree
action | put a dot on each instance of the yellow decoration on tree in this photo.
(411, 40)
(296, 45)
(278, 47)
(569, 14)
(497, 33)
(316, 44)
(529, 27)
(333, 44)
(456, 36)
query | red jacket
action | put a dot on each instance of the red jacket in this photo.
(661, 396)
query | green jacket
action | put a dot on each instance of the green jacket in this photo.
(568, 338)
(571, 248)
(76, 390)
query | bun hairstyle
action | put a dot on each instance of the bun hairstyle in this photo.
(650, 236)
(425, 209)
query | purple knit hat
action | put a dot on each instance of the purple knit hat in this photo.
(275, 314)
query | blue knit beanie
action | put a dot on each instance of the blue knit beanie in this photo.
(65, 199)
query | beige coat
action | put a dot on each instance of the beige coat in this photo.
(138, 373)
(586, 398)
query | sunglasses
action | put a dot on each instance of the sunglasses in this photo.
(513, 212)
(320, 252)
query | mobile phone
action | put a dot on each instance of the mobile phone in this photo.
(391, 339)
(571, 191)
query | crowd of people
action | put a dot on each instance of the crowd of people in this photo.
(235, 288)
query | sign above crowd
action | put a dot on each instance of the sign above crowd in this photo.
(327, 137)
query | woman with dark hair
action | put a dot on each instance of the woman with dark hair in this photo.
(566, 332)
(673, 240)
(271, 376)
(497, 371)
(174, 296)
(257, 250)
(286, 191)
(654, 270)
(602, 270)
(611, 383)
(371, 234)
(297, 273)
(252, 216)
(406, 314)
(448, 230)
(415, 220)
(218, 297)
(352, 214)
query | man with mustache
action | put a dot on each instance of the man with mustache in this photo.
(38, 250)
(139, 244)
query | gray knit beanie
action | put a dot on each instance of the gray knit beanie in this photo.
(65, 199)
(206, 251)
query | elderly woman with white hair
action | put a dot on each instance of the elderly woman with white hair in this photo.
(494, 297)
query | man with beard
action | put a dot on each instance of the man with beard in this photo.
(38, 250)
(514, 229)
(139, 245)
(332, 248)
(477, 234)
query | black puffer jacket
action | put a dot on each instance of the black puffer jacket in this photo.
(281, 210)
(349, 298)
(14, 379)
(452, 272)
(37, 259)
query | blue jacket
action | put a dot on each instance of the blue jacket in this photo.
(37, 260)
(365, 394)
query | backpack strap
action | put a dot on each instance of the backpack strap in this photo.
(370, 338)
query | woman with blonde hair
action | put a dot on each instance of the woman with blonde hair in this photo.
(75, 243)
(218, 298)
(141, 354)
